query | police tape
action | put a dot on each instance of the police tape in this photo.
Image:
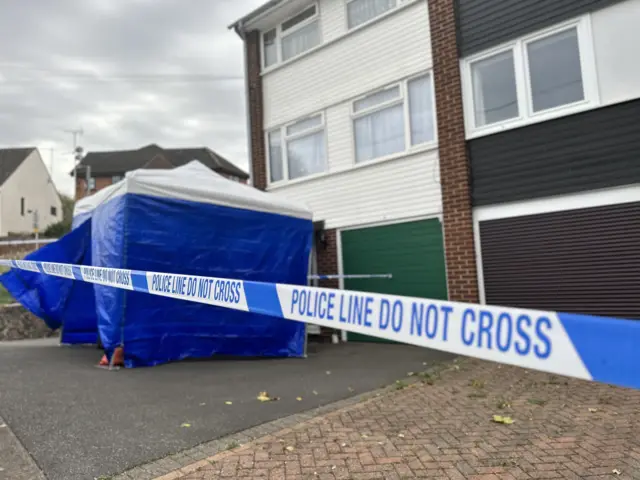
(587, 347)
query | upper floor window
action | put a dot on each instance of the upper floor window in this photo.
(292, 37)
(297, 150)
(361, 11)
(532, 78)
(116, 178)
(54, 211)
(394, 119)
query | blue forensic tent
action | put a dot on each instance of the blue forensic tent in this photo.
(186, 220)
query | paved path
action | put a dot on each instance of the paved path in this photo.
(443, 429)
(15, 461)
(79, 422)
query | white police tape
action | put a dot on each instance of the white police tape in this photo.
(587, 347)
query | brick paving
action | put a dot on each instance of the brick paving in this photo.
(441, 427)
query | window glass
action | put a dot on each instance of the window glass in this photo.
(421, 112)
(495, 96)
(270, 48)
(276, 172)
(304, 125)
(299, 18)
(300, 40)
(555, 71)
(306, 155)
(380, 133)
(361, 11)
(377, 98)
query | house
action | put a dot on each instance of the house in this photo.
(502, 133)
(28, 197)
(342, 116)
(106, 168)
(544, 102)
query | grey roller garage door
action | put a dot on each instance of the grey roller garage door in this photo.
(585, 261)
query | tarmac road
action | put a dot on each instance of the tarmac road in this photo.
(79, 422)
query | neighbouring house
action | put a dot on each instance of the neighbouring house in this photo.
(28, 196)
(341, 112)
(106, 168)
(543, 105)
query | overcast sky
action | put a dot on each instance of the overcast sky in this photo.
(128, 72)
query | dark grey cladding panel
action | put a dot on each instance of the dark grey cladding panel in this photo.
(483, 24)
(590, 150)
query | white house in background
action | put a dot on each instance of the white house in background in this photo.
(26, 190)
(345, 121)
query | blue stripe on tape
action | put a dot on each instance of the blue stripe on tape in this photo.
(40, 269)
(14, 263)
(609, 347)
(139, 281)
(77, 273)
(262, 298)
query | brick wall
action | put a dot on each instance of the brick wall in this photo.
(101, 182)
(454, 162)
(256, 115)
(327, 259)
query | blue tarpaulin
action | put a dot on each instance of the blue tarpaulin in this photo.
(188, 220)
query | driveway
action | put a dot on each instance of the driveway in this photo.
(79, 422)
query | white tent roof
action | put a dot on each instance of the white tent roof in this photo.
(196, 183)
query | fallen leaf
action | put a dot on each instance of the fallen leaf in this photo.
(350, 389)
(400, 435)
(228, 403)
(616, 471)
(410, 374)
(185, 425)
(593, 410)
(501, 419)
(424, 363)
(333, 467)
(343, 444)
(202, 404)
(289, 448)
(315, 393)
(328, 372)
(3, 425)
(365, 436)
(299, 399)
(456, 367)
(264, 397)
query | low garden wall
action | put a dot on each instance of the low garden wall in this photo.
(16, 323)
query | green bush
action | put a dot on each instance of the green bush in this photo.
(57, 230)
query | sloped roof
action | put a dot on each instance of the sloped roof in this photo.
(11, 159)
(154, 156)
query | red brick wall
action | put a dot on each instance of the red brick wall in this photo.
(327, 259)
(256, 115)
(81, 191)
(454, 162)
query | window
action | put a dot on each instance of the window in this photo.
(555, 71)
(22, 206)
(270, 48)
(92, 184)
(54, 211)
(494, 89)
(116, 178)
(292, 37)
(394, 119)
(361, 11)
(542, 76)
(297, 150)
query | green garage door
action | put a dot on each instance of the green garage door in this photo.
(412, 252)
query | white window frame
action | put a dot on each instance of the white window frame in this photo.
(404, 100)
(280, 35)
(526, 115)
(284, 138)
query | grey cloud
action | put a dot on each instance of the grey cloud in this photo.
(167, 71)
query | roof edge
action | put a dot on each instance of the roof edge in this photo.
(254, 15)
